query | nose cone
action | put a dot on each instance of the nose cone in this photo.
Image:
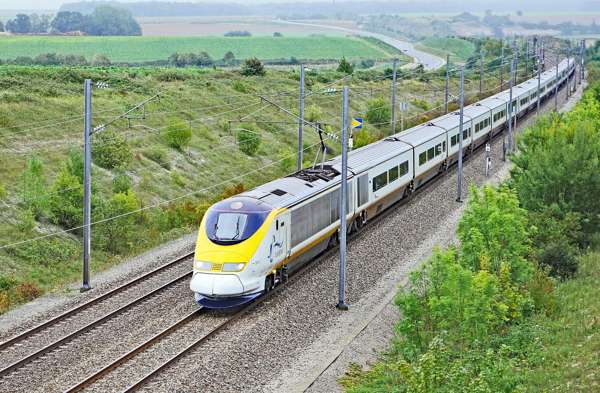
(216, 284)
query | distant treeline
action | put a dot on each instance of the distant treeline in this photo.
(324, 8)
(103, 20)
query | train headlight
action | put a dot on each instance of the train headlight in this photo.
(233, 267)
(201, 265)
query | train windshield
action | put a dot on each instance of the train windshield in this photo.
(233, 221)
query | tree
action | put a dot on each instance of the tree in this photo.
(33, 190)
(178, 134)
(67, 21)
(1, 27)
(20, 25)
(345, 66)
(229, 58)
(378, 112)
(248, 139)
(110, 150)
(106, 20)
(118, 232)
(39, 23)
(253, 67)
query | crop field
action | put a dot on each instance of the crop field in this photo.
(460, 49)
(140, 49)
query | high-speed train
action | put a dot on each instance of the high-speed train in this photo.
(250, 242)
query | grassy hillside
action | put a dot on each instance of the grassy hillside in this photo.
(458, 48)
(140, 49)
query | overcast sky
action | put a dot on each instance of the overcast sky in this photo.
(55, 4)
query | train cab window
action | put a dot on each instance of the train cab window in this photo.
(234, 220)
(393, 174)
(404, 168)
(430, 153)
(380, 181)
(422, 158)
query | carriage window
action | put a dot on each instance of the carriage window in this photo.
(438, 150)
(422, 158)
(404, 168)
(430, 153)
(454, 140)
(380, 181)
(444, 146)
(393, 174)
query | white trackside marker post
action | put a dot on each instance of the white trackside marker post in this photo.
(460, 136)
(488, 160)
(342, 208)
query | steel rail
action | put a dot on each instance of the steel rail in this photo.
(23, 361)
(20, 337)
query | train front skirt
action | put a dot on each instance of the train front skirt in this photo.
(224, 302)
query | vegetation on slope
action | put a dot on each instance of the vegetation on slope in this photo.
(457, 48)
(490, 316)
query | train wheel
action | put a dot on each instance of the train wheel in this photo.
(268, 283)
(361, 220)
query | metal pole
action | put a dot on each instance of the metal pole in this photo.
(543, 56)
(502, 66)
(582, 60)
(343, 204)
(535, 54)
(527, 57)
(447, 92)
(87, 188)
(556, 85)
(460, 136)
(394, 78)
(301, 120)
(480, 71)
(568, 86)
(539, 80)
(510, 103)
(402, 116)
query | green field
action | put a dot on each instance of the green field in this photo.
(141, 49)
(457, 48)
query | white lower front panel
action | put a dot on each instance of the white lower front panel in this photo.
(216, 284)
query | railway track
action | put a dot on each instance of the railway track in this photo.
(64, 334)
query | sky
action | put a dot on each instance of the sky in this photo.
(55, 4)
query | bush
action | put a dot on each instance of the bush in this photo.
(99, 60)
(345, 66)
(33, 190)
(253, 67)
(277, 34)
(248, 139)
(117, 233)
(27, 291)
(238, 33)
(110, 150)
(66, 200)
(313, 113)
(178, 134)
(4, 302)
(121, 183)
(379, 112)
(363, 138)
(240, 87)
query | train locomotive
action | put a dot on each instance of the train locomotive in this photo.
(251, 242)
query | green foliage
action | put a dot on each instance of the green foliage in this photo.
(287, 160)
(253, 67)
(493, 231)
(107, 20)
(116, 234)
(110, 150)
(121, 183)
(248, 139)
(240, 87)
(379, 112)
(313, 113)
(178, 134)
(66, 200)
(362, 138)
(33, 192)
(345, 66)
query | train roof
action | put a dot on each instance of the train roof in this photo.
(368, 156)
(418, 135)
(450, 120)
(493, 102)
